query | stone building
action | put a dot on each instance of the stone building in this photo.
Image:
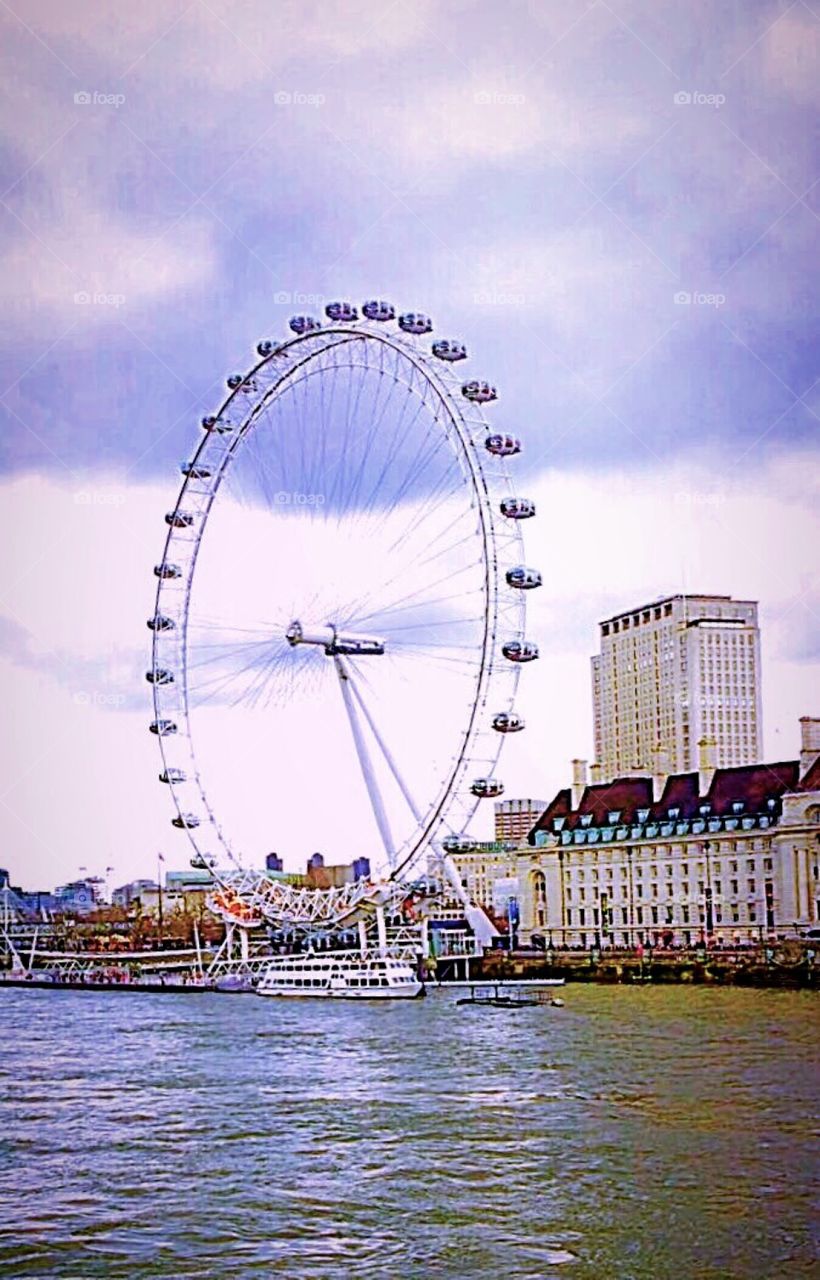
(729, 854)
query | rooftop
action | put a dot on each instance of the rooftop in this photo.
(741, 795)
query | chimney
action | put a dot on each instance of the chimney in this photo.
(579, 781)
(596, 774)
(809, 742)
(707, 752)
(660, 771)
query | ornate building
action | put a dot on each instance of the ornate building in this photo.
(730, 854)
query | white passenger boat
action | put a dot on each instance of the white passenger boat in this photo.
(341, 975)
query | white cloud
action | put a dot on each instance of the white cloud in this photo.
(480, 119)
(89, 265)
(790, 54)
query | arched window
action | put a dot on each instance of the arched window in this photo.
(539, 897)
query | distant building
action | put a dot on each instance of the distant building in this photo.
(319, 876)
(274, 863)
(488, 872)
(132, 892)
(514, 819)
(78, 897)
(673, 672)
(191, 880)
(730, 854)
(21, 904)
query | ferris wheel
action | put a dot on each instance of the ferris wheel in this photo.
(338, 627)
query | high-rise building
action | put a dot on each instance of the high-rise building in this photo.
(515, 819)
(682, 669)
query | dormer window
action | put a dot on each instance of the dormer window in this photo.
(613, 816)
(704, 810)
(673, 813)
(642, 815)
(586, 820)
(737, 806)
(770, 803)
(557, 824)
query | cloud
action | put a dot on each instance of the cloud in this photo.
(87, 266)
(790, 54)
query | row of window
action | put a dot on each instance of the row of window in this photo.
(654, 890)
(674, 868)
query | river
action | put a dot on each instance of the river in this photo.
(656, 1133)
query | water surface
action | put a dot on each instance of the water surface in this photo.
(637, 1134)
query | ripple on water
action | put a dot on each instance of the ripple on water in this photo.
(652, 1134)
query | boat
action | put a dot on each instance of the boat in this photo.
(494, 996)
(340, 975)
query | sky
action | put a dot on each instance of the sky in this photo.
(613, 204)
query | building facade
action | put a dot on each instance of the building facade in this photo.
(488, 871)
(671, 673)
(515, 819)
(726, 855)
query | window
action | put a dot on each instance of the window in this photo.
(733, 886)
